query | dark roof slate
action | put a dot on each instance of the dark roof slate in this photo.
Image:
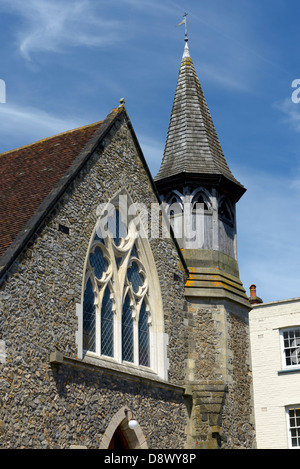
(192, 144)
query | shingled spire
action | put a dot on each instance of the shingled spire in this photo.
(194, 173)
(192, 147)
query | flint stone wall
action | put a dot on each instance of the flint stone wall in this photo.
(219, 360)
(49, 407)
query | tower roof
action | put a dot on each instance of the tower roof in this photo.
(192, 149)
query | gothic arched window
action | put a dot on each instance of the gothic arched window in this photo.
(127, 331)
(175, 216)
(89, 317)
(202, 219)
(107, 324)
(144, 336)
(116, 312)
(226, 227)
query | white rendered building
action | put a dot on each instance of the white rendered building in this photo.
(275, 350)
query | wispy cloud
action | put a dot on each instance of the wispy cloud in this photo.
(54, 25)
(31, 123)
(60, 25)
(291, 112)
(226, 77)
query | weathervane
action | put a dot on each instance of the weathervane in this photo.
(185, 23)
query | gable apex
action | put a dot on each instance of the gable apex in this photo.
(35, 176)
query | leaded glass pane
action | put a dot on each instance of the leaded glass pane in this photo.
(127, 332)
(89, 318)
(144, 355)
(107, 325)
(134, 252)
(98, 262)
(135, 277)
(99, 238)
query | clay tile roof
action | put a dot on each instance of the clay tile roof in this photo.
(28, 174)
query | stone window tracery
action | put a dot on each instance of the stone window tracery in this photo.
(201, 207)
(116, 312)
(203, 200)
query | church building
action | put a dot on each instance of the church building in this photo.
(123, 320)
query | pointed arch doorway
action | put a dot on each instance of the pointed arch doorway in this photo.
(119, 436)
(118, 440)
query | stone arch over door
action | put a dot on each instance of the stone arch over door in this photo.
(119, 432)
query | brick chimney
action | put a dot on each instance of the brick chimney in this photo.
(254, 300)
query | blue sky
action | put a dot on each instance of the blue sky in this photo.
(67, 63)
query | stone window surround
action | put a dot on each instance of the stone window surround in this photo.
(158, 338)
(110, 280)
